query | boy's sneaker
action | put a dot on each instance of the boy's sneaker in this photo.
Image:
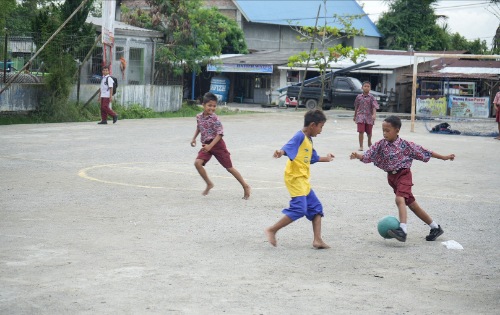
(115, 119)
(435, 233)
(398, 234)
(102, 122)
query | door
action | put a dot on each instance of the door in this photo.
(344, 93)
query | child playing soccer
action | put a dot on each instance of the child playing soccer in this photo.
(210, 128)
(301, 155)
(395, 155)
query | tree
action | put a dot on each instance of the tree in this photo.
(7, 8)
(326, 53)
(411, 23)
(494, 8)
(193, 34)
(19, 19)
(60, 56)
(476, 47)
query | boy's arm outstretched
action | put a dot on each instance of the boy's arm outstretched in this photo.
(328, 158)
(356, 155)
(278, 153)
(443, 157)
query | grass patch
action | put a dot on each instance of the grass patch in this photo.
(56, 113)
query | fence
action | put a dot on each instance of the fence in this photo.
(140, 80)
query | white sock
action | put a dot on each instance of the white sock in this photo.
(434, 225)
(403, 227)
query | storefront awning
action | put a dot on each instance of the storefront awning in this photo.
(355, 71)
(242, 68)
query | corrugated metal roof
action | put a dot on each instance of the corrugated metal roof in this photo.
(470, 70)
(122, 28)
(457, 75)
(381, 61)
(303, 13)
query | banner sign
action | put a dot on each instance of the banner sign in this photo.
(238, 67)
(431, 105)
(462, 106)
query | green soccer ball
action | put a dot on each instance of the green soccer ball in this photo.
(387, 223)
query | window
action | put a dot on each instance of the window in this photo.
(119, 52)
(343, 85)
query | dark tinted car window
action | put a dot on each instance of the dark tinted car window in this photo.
(343, 85)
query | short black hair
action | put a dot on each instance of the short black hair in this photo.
(314, 116)
(209, 96)
(105, 67)
(366, 82)
(395, 121)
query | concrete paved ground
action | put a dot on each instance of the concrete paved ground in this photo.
(110, 220)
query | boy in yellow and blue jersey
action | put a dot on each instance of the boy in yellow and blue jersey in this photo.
(301, 155)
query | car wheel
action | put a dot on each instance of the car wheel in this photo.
(311, 103)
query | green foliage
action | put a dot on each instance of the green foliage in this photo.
(70, 112)
(193, 34)
(59, 55)
(414, 23)
(411, 23)
(476, 47)
(136, 17)
(8, 7)
(19, 19)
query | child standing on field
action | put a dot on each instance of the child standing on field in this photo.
(210, 128)
(395, 155)
(365, 112)
(301, 155)
(496, 101)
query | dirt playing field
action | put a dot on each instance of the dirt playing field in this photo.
(111, 220)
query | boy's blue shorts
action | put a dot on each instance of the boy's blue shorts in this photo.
(308, 206)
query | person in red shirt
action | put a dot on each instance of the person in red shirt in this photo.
(497, 107)
(365, 112)
(212, 144)
(395, 155)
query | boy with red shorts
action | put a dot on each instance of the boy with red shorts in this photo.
(496, 101)
(210, 128)
(395, 155)
(365, 111)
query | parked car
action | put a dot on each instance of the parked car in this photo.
(95, 78)
(339, 91)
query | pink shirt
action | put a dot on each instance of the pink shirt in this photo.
(209, 127)
(497, 98)
(392, 156)
(365, 105)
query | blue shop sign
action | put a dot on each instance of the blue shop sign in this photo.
(237, 67)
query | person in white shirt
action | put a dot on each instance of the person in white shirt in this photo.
(106, 97)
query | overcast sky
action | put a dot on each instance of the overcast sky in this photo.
(471, 19)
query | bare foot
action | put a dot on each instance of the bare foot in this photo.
(207, 190)
(320, 245)
(246, 191)
(271, 236)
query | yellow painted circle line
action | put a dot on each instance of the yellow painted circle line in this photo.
(83, 173)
